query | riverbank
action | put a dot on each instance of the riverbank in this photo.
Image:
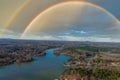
(48, 67)
(20, 51)
(89, 59)
(44, 60)
(6, 59)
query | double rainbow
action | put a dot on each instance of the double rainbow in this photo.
(53, 7)
(36, 18)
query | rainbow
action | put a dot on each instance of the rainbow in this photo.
(13, 17)
(59, 5)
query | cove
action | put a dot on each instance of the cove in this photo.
(47, 67)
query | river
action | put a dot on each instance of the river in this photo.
(47, 67)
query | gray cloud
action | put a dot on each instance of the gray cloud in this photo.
(88, 24)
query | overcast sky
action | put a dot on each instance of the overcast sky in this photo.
(79, 22)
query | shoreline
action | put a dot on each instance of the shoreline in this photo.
(77, 61)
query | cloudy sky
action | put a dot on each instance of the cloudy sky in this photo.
(72, 20)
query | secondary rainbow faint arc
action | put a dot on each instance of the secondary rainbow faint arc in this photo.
(60, 4)
(13, 17)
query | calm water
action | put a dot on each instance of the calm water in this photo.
(48, 67)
